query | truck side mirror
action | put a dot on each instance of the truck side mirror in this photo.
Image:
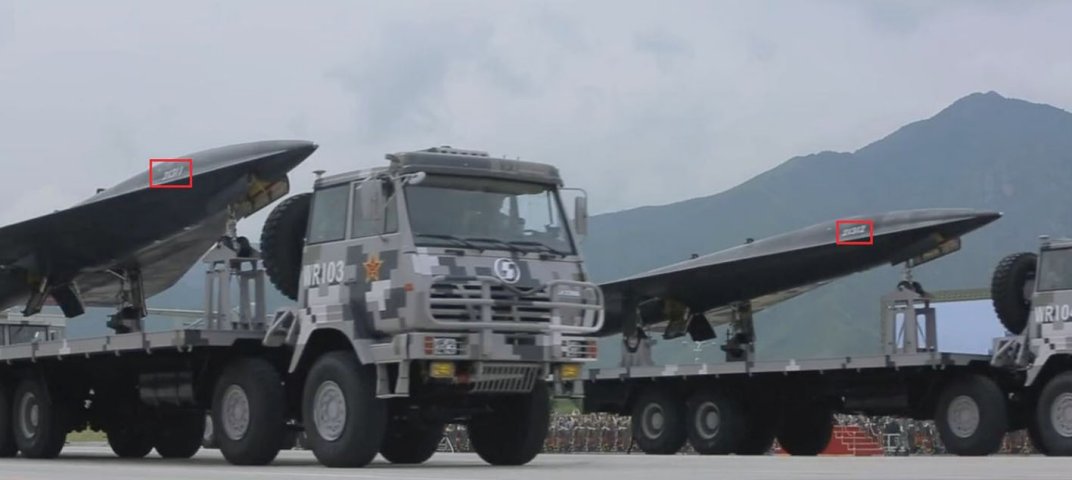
(415, 178)
(580, 215)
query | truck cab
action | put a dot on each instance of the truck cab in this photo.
(1032, 294)
(1052, 299)
(455, 280)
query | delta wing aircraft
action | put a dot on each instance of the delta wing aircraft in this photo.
(726, 287)
(137, 238)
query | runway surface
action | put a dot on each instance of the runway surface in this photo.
(81, 462)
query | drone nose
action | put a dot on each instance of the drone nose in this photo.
(278, 165)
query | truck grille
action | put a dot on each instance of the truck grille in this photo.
(483, 302)
(504, 305)
(505, 378)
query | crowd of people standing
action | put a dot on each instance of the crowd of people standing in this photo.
(605, 433)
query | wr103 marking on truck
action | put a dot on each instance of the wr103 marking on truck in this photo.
(1053, 313)
(325, 272)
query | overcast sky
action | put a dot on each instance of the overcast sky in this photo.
(638, 102)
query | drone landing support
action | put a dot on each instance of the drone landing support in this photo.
(741, 340)
(131, 307)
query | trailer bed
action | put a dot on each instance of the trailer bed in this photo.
(118, 344)
(900, 384)
(926, 360)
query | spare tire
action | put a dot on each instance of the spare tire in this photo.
(282, 240)
(1010, 290)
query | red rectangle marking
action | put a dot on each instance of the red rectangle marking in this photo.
(869, 224)
(189, 162)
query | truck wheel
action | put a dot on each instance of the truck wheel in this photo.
(208, 438)
(1036, 437)
(658, 421)
(715, 423)
(180, 434)
(248, 412)
(8, 448)
(514, 432)
(406, 443)
(40, 429)
(131, 440)
(1011, 288)
(1053, 416)
(344, 421)
(806, 429)
(282, 240)
(972, 416)
(761, 423)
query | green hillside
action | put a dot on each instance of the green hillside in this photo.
(984, 151)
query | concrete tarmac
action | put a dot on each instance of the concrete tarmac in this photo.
(81, 462)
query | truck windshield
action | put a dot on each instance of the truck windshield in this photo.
(1056, 270)
(487, 214)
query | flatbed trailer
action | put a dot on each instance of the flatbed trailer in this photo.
(742, 406)
(126, 344)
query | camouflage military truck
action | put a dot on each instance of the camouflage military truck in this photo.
(742, 406)
(445, 287)
(1032, 296)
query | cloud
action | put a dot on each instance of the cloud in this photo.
(7, 25)
(665, 47)
(46, 199)
(638, 102)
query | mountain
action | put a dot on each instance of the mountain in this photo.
(983, 151)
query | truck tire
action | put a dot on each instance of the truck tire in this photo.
(658, 421)
(248, 409)
(514, 432)
(282, 240)
(761, 424)
(344, 421)
(715, 422)
(40, 425)
(972, 416)
(1053, 416)
(8, 448)
(408, 444)
(131, 440)
(806, 429)
(1036, 437)
(180, 434)
(1010, 288)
